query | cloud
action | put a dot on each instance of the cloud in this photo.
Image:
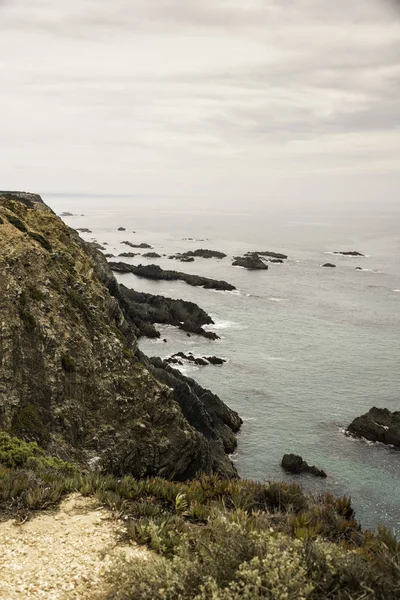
(199, 86)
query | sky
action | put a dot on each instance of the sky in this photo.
(213, 99)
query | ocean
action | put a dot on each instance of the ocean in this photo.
(308, 348)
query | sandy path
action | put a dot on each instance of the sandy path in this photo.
(61, 555)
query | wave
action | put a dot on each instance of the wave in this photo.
(273, 299)
(397, 291)
(278, 359)
(234, 457)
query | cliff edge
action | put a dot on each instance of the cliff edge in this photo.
(71, 377)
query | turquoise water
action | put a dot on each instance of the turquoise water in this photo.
(307, 349)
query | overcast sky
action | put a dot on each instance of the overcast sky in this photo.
(235, 98)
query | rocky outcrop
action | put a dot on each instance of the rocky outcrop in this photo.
(151, 255)
(350, 253)
(156, 273)
(329, 265)
(293, 463)
(71, 377)
(378, 425)
(200, 406)
(84, 230)
(142, 245)
(128, 254)
(121, 229)
(250, 261)
(144, 310)
(202, 253)
(270, 254)
(201, 361)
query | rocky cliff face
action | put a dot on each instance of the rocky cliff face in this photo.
(71, 377)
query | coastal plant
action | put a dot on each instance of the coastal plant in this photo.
(41, 240)
(16, 222)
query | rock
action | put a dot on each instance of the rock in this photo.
(165, 341)
(203, 253)
(210, 414)
(331, 265)
(129, 254)
(151, 255)
(271, 254)
(214, 360)
(188, 334)
(109, 255)
(146, 309)
(121, 229)
(378, 425)
(350, 253)
(250, 261)
(359, 269)
(71, 376)
(142, 245)
(156, 273)
(83, 230)
(67, 214)
(98, 246)
(296, 465)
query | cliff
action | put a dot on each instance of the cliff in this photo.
(71, 377)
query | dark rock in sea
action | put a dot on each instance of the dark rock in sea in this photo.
(202, 253)
(67, 214)
(109, 255)
(181, 258)
(331, 265)
(71, 376)
(165, 341)
(276, 260)
(188, 334)
(129, 254)
(145, 310)
(83, 230)
(121, 229)
(271, 254)
(378, 425)
(142, 245)
(156, 273)
(359, 269)
(214, 360)
(350, 253)
(250, 261)
(293, 463)
(151, 255)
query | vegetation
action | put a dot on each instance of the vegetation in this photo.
(216, 539)
(16, 222)
(68, 364)
(41, 239)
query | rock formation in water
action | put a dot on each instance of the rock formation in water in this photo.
(378, 425)
(271, 254)
(71, 377)
(350, 253)
(251, 261)
(202, 361)
(157, 274)
(329, 265)
(142, 245)
(293, 463)
(145, 310)
(201, 253)
(151, 255)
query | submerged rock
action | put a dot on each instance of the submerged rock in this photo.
(271, 254)
(250, 261)
(330, 265)
(293, 463)
(121, 229)
(83, 230)
(378, 425)
(71, 376)
(156, 273)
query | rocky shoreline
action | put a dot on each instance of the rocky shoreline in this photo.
(377, 425)
(156, 273)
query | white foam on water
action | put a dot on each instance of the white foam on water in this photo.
(234, 457)
(246, 419)
(278, 359)
(273, 299)
(397, 291)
